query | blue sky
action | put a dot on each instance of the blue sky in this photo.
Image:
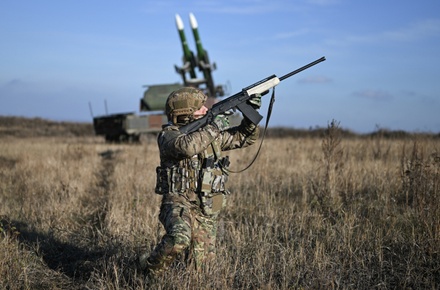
(382, 68)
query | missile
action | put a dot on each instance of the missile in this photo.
(195, 29)
(202, 55)
(188, 55)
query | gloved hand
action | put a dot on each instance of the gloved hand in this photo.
(255, 101)
(221, 122)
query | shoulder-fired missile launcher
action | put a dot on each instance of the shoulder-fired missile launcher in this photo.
(128, 127)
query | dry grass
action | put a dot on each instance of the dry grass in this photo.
(311, 213)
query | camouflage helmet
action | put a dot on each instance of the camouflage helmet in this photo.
(182, 103)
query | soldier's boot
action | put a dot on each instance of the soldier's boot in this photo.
(143, 262)
(151, 266)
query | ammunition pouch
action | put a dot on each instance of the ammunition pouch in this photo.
(162, 185)
(212, 186)
(174, 179)
(212, 204)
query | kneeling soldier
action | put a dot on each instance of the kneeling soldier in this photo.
(192, 178)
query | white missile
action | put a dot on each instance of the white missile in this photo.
(193, 21)
(179, 22)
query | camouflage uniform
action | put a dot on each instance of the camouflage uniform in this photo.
(191, 177)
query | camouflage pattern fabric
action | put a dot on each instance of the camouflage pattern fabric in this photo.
(188, 227)
(188, 233)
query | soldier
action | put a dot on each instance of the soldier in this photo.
(191, 178)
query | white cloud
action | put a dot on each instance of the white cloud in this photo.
(414, 32)
(375, 95)
(424, 29)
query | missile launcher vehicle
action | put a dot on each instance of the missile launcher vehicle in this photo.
(128, 127)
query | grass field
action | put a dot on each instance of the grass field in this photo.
(317, 212)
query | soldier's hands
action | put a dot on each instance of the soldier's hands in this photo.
(221, 122)
(255, 101)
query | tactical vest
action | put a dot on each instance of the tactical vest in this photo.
(201, 178)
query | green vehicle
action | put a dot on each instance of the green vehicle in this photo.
(128, 127)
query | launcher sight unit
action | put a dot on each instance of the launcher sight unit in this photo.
(128, 127)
